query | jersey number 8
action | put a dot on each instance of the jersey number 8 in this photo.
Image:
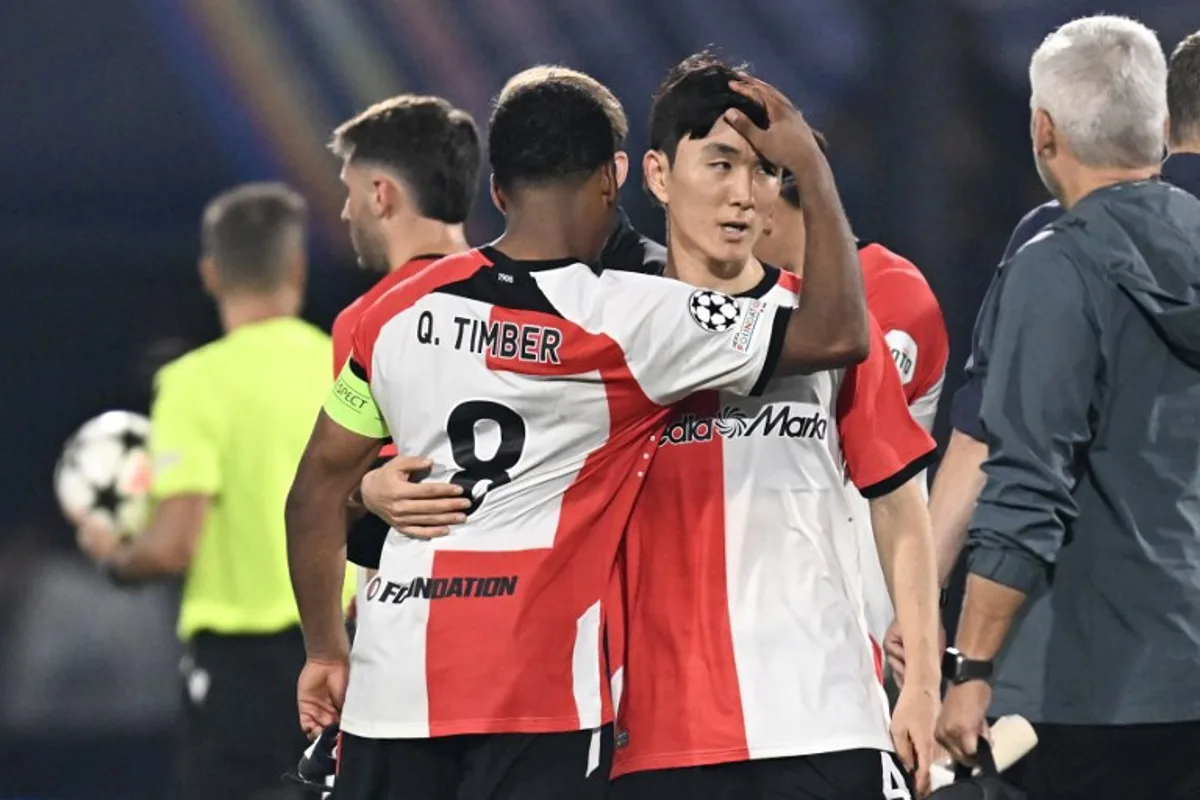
(475, 475)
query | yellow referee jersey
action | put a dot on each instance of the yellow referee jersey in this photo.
(230, 420)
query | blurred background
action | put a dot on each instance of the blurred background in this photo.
(125, 116)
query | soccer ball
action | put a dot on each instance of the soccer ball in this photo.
(712, 310)
(103, 474)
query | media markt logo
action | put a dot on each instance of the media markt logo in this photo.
(782, 420)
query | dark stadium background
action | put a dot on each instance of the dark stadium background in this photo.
(122, 117)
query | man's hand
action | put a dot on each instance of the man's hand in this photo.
(893, 646)
(788, 141)
(913, 724)
(964, 719)
(320, 693)
(416, 509)
(99, 541)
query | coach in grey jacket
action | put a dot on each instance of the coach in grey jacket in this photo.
(1092, 416)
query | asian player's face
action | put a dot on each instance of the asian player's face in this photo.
(366, 233)
(718, 193)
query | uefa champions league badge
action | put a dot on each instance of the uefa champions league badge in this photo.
(713, 311)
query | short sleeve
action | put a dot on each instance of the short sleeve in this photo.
(912, 323)
(343, 326)
(678, 339)
(186, 430)
(883, 445)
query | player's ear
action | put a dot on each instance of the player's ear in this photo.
(610, 184)
(655, 168)
(388, 198)
(1044, 134)
(210, 277)
(621, 159)
(497, 195)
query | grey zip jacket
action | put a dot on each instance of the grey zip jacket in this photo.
(1091, 410)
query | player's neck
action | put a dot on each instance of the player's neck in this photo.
(693, 267)
(425, 237)
(1189, 147)
(540, 230)
(237, 311)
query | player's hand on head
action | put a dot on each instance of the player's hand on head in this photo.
(419, 509)
(787, 139)
(99, 541)
(320, 693)
(913, 722)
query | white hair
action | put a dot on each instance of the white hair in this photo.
(1103, 80)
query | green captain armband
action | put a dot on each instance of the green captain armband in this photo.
(351, 405)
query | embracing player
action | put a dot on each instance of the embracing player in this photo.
(748, 669)
(558, 382)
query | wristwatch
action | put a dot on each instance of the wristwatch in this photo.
(957, 668)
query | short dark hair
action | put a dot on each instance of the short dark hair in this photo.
(543, 72)
(552, 131)
(252, 234)
(788, 189)
(429, 144)
(1183, 90)
(693, 97)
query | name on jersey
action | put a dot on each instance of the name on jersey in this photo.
(509, 341)
(780, 420)
(381, 591)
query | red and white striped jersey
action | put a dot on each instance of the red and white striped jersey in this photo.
(911, 319)
(745, 636)
(541, 388)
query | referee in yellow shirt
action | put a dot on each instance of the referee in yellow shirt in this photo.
(230, 421)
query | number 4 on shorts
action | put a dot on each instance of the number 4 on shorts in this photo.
(894, 786)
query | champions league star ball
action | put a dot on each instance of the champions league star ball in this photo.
(712, 310)
(103, 474)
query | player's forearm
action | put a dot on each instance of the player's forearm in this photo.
(830, 328)
(316, 542)
(988, 612)
(901, 525)
(952, 499)
(165, 548)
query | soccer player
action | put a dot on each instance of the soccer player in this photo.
(412, 165)
(899, 298)
(540, 387)
(748, 668)
(229, 424)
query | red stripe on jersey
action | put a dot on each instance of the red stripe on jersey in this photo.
(789, 281)
(442, 272)
(665, 567)
(343, 325)
(573, 574)
(901, 300)
(877, 654)
(879, 436)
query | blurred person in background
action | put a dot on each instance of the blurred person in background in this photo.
(1093, 474)
(740, 510)
(230, 420)
(911, 320)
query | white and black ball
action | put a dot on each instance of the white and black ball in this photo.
(103, 475)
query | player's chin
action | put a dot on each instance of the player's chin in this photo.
(732, 251)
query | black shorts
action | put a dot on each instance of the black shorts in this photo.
(241, 731)
(843, 775)
(501, 766)
(1111, 762)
